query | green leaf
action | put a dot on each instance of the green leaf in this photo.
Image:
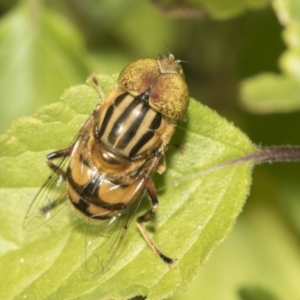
(41, 54)
(251, 256)
(196, 211)
(267, 92)
(218, 9)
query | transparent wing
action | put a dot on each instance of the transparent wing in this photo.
(52, 193)
(49, 199)
(103, 241)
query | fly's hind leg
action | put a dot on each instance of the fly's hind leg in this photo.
(60, 172)
(149, 216)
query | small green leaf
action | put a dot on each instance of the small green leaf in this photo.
(196, 211)
(268, 93)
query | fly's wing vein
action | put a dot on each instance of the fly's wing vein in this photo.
(102, 245)
(53, 191)
(40, 210)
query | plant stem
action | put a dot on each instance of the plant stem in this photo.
(270, 154)
(263, 155)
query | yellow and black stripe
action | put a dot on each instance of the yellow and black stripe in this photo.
(129, 126)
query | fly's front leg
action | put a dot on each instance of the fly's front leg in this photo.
(58, 154)
(98, 86)
(149, 216)
(60, 172)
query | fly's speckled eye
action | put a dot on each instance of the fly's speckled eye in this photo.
(108, 169)
(163, 80)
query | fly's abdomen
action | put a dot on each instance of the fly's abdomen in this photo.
(95, 194)
(101, 199)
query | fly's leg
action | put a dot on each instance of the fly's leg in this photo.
(58, 154)
(60, 172)
(149, 216)
(178, 147)
(45, 209)
(98, 86)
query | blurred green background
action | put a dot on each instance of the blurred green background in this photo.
(47, 46)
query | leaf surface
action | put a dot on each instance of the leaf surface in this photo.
(41, 54)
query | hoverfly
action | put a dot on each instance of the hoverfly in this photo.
(109, 166)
